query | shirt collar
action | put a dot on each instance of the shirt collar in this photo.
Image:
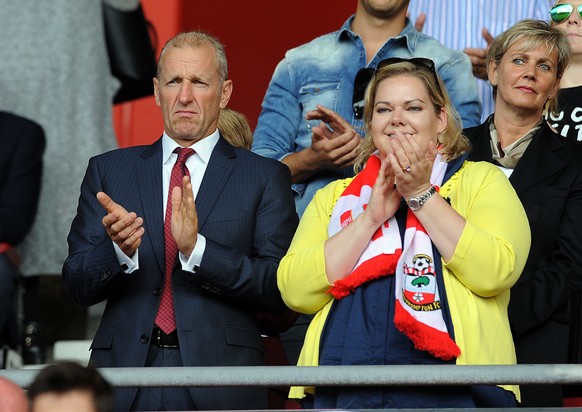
(510, 155)
(346, 29)
(410, 34)
(203, 147)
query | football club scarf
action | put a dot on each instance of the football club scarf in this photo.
(418, 312)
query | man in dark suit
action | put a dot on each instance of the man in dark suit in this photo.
(229, 240)
(22, 143)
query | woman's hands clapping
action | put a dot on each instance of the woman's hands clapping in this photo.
(404, 172)
(411, 164)
(385, 199)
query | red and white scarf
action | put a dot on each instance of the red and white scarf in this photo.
(418, 311)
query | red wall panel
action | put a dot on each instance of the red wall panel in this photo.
(256, 34)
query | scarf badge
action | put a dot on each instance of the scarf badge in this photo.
(420, 291)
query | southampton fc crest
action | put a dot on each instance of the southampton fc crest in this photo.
(420, 284)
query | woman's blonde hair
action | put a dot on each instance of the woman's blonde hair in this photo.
(534, 33)
(235, 128)
(451, 142)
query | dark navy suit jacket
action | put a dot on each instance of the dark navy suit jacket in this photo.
(247, 215)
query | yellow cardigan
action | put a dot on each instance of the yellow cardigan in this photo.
(488, 260)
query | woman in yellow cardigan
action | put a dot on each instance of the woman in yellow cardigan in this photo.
(411, 261)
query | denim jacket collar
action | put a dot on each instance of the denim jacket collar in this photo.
(408, 36)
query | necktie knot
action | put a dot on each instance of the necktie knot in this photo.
(183, 153)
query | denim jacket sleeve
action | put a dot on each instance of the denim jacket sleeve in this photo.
(457, 75)
(280, 118)
(276, 133)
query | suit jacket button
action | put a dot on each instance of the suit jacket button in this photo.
(157, 291)
(144, 339)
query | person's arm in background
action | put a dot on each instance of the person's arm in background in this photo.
(334, 146)
(279, 123)
(20, 176)
(462, 87)
(479, 56)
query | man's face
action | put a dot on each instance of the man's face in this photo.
(190, 93)
(572, 28)
(384, 9)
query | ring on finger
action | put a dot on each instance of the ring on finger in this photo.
(407, 169)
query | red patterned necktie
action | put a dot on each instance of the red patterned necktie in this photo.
(165, 319)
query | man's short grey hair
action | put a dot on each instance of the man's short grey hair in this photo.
(196, 39)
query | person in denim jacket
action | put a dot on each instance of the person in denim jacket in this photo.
(314, 83)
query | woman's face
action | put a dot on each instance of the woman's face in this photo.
(403, 105)
(525, 79)
(572, 27)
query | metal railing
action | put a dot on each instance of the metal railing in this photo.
(329, 375)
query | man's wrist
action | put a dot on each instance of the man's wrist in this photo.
(302, 164)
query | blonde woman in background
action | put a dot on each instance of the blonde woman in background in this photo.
(525, 65)
(235, 128)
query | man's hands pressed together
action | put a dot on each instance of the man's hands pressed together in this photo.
(184, 217)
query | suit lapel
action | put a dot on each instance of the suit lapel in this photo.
(480, 143)
(218, 171)
(539, 161)
(149, 181)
